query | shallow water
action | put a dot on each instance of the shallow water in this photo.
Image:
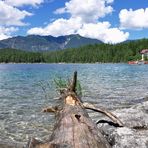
(22, 97)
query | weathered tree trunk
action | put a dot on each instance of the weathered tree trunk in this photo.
(73, 128)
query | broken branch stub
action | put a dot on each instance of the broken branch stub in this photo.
(74, 83)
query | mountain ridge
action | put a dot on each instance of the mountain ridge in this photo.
(46, 43)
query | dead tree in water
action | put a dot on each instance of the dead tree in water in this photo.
(74, 128)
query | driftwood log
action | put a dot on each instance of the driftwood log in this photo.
(74, 128)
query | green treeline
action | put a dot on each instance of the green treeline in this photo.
(18, 56)
(122, 52)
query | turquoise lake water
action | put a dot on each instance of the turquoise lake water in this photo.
(22, 97)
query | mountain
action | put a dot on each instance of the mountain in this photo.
(46, 43)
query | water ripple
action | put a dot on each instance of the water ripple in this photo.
(21, 99)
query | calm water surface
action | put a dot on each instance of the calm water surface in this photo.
(22, 98)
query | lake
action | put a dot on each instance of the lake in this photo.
(22, 96)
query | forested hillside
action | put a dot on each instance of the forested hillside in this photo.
(122, 52)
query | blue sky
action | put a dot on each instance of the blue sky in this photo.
(111, 21)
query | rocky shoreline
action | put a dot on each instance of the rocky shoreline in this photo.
(134, 134)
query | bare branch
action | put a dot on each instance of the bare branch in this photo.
(114, 118)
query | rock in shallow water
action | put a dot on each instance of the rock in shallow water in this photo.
(10, 145)
(135, 132)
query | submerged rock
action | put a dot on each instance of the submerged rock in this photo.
(135, 132)
(6, 144)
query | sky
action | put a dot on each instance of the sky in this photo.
(111, 21)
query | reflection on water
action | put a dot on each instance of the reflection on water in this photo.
(21, 99)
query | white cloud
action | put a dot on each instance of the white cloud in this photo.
(94, 30)
(84, 16)
(12, 16)
(88, 10)
(130, 19)
(19, 3)
(103, 32)
(114, 35)
(58, 27)
(6, 32)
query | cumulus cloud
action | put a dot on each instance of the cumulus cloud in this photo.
(100, 30)
(103, 32)
(84, 20)
(88, 10)
(12, 16)
(6, 32)
(19, 3)
(130, 19)
(58, 27)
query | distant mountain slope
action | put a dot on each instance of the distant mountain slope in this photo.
(46, 43)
